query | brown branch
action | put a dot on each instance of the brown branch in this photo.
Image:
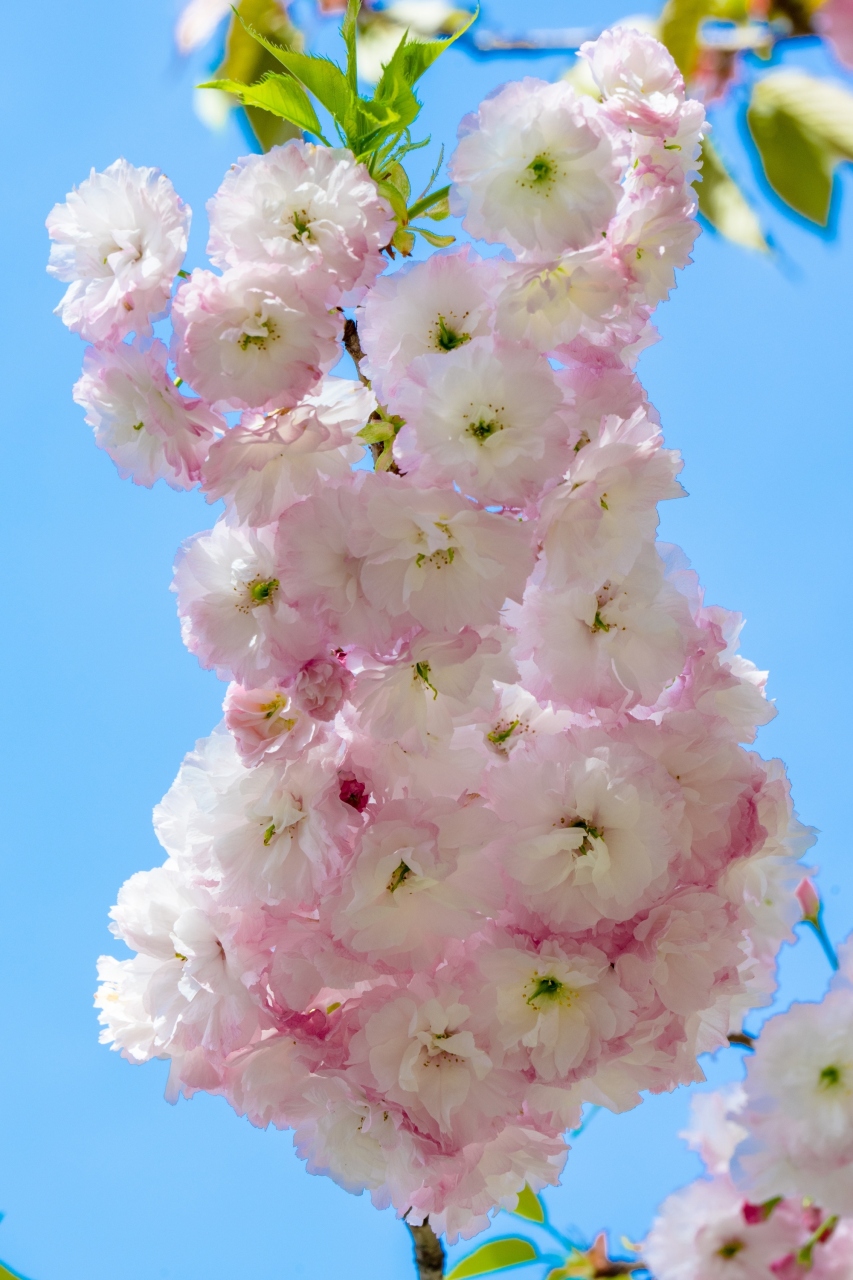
(353, 346)
(429, 1252)
(742, 1038)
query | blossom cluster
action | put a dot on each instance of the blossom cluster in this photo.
(778, 1150)
(479, 839)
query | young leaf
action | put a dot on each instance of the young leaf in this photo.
(723, 203)
(246, 61)
(349, 31)
(433, 200)
(282, 95)
(403, 241)
(393, 87)
(439, 211)
(419, 55)
(679, 30)
(529, 1206)
(826, 109)
(431, 237)
(319, 75)
(797, 164)
(512, 1251)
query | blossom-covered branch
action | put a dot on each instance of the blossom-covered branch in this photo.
(480, 838)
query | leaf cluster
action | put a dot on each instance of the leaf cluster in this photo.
(376, 129)
(571, 1263)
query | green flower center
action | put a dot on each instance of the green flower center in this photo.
(730, 1249)
(541, 171)
(546, 988)
(830, 1077)
(258, 340)
(483, 428)
(448, 339)
(399, 876)
(262, 591)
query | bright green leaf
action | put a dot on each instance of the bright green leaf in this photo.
(403, 241)
(822, 107)
(419, 55)
(395, 199)
(397, 176)
(494, 1256)
(348, 31)
(679, 30)
(281, 95)
(433, 200)
(797, 164)
(431, 237)
(723, 203)
(319, 75)
(529, 1206)
(246, 61)
(6, 1274)
(376, 432)
(439, 211)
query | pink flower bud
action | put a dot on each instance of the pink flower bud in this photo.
(809, 899)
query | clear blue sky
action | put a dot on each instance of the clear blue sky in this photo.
(99, 1178)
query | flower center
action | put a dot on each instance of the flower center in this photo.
(590, 833)
(483, 428)
(540, 173)
(438, 559)
(261, 591)
(422, 672)
(278, 703)
(546, 989)
(730, 1248)
(830, 1077)
(399, 876)
(301, 225)
(265, 331)
(448, 339)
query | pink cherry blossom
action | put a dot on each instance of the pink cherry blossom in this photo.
(256, 337)
(119, 240)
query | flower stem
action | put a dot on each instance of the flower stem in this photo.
(816, 925)
(429, 1252)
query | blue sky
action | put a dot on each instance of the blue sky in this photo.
(99, 1178)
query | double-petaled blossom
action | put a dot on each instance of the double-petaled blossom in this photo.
(119, 241)
(139, 417)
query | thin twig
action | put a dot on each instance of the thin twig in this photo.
(353, 346)
(429, 1252)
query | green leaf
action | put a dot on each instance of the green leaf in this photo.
(395, 199)
(348, 31)
(494, 1256)
(679, 31)
(397, 176)
(824, 108)
(246, 61)
(6, 1274)
(723, 203)
(419, 55)
(403, 241)
(394, 89)
(435, 199)
(798, 165)
(432, 237)
(319, 75)
(439, 211)
(281, 95)
(529, 1206)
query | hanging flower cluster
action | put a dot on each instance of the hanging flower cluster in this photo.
(476, 842)
(778, 1201)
